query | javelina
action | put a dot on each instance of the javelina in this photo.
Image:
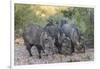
(52, 30)
(31, 36)
(71, 31)
(34, 35)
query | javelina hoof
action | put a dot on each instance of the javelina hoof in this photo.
(80, 50)
(59, 52)
(30, 55)
(46, 54)
(39, 57)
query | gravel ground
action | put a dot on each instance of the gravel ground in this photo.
(21, 56)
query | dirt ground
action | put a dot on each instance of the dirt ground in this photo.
(21, 56)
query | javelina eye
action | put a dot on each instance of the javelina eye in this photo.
(46, 40)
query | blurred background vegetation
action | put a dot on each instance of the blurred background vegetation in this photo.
(39, 14)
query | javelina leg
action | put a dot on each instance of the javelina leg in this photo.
(28, 47)
(72, 47)
(39, 48)
(58, 46)
(59, 49)
(84, 49)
